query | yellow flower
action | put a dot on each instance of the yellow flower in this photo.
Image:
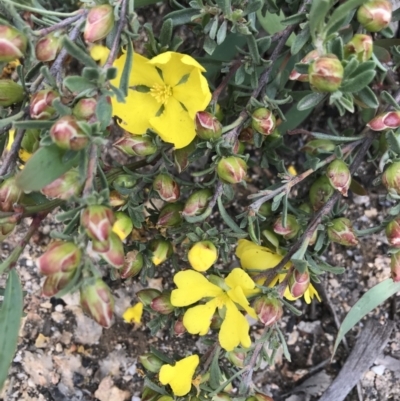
(179, 376)
(134, 313)
(256, 257)
(23, 154)
(202, 255)
(99, 53)
(193, 286)
(292, 170)
(165, 93)
(123, 225)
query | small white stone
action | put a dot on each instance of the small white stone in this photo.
(379, 370)
(59, 308)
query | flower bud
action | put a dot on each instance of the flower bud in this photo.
(263, 121)
(395, 266)
(393, 232)
(48, 46)
(99, 23)
(41, 106)
(317, 146)
(13, 43)
(341, 231)
(162, 303)
(266, 209)
(166, 187)
(114, 254)
(6, 229)
(170, 215)
(269, 310)
(339, 176)
(9, 194)
(56, 282)
(98, 220)
(360, 46)
(150, 362)
(161, 249)
(133, 264)
(97, 301)
(60, 256)
(236, 358)
(321, 190)
(116, 199)
(67, 134)
(64, 187)
(135, 145)
(375, 15)
(147, 295)
(123, 225)
(326, 73)
(124, 181)
(149, 394)
(10, 92)
(202, 255)
(296, 76)
(238, 147)
(390, 120)
(306, 208)
(85, 108)
(197, 202)
(207, 126)
(290, 230)
(391, 178)
(232, 169)
(298, 283)
(179, 328)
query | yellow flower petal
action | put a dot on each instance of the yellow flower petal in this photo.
(11, 134)
(100, 53)
(234, 329)
(134, 313)
(192, 286)
(239, 278)
(174, 125)
(202, 255)
(237, 295)
(179, 377)
(24, 155)
(197, 320)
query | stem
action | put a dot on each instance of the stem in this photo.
(217, 194)
(59, 25)
(91, 171)
(40, 10)
(224, 83)
(11, 159)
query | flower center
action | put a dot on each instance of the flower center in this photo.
(161, 93)
(220, 300)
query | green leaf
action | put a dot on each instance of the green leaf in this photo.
(359, 82)
(368, 97)
(78, 84)
(45, 166)
(104, 112)
(10, 321)
(252, 7)
(9, 120)
(221, 34)
(215, 371)
(44, 124)
(126, 72)
(209, 45)
(225, 6)
(166, 32)
(301, 40)
(182, 17)
(294, 118)
(310, 101)
(78, 53)
(393, 141)
(388, 98)
(294, 19)
(228, 219)
(318, 12)
(341, 11)
(253, 49)
(271, 23)
(369, 301)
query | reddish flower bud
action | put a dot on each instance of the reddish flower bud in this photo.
(296, 76)
(197, 202)
(166, 187)
(136, 145)
(341, 231)
(162, 303)
(12, 43)
(97, 301)
(317, 146)
(161, 250)
(48, 46)
(391, 178)
(133, 264)
(56, 282)
(99, 23)
(321, 190)
(360, 46)
(67, 134)
(9, 194)
(60, 256)
(236, 358)
(64, 187)
(116, 199)
(393, 232)
(150, 362)
(179, 328)
(232, 169)
(10, 92)
(326, 73)
(85, 108)
(170, 215)
(269, 310)
(98, 220)
(6, 229)
(375, 15)
(263, 121)
(207, 126)
(339, 176)
(298, 283)
(147, 295)
(395, 266)
(290, 230)
(41, 106)
(390, 120)
(114, 255)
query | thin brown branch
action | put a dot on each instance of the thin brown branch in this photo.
(91, 172)
(11, 158)
(62, 24)
(224, 83)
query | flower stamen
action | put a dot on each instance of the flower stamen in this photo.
(161, 93)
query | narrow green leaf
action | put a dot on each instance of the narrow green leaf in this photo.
(126, 72)
(369, 301)
(78, 53)
(221, 34)
(78, 84)
(215, 371)
(284, 345)
(10, 320)
(209, 45)
(358, 83)
(166, 32)
(44, 124)
(271, 23)
(318, 12)
(388, 98)
(301, 39)
(341, 11)
(228, 219)
(182, 17)
(393, 141)
(225, 6)
(104, 112)
(294, 19)
(253, 49)
(368, 97)
(45, 166)
(9, 120)
(310, 101)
